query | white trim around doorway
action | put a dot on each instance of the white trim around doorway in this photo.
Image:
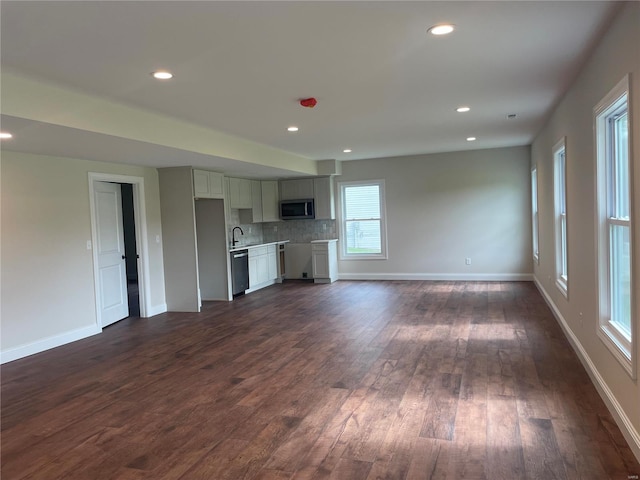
(140, 216)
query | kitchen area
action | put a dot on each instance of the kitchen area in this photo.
(224, 237)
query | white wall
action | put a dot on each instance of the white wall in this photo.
(48, 285)
(443, 208)
(616, 55)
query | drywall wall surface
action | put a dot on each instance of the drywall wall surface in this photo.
(444, 208)
(617, 54)
(47, 269)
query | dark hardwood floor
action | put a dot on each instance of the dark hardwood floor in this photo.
(349, 381)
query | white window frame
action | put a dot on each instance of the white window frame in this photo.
(535, 226)
(559, 152)
(383, 222)
(621, 343)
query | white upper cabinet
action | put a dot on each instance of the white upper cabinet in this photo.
(318, 188)
(254, 215)
(208, 184)
(270, 210)
(297, 189)
(240, 193)
(323, 195)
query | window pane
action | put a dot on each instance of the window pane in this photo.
(621, 167)
(563, 242)
(620, 277)
(363, 236)
(534, 210)
(362, 202)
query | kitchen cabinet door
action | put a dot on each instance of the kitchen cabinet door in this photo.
(253, 271)
(258, 266)
(239, 193)
(254, 215)
(324, 260)
(270, 208)
(208, 184)
(323, 195)
(296, 189)
(273, 262)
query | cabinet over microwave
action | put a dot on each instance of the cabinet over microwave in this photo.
(296, 209)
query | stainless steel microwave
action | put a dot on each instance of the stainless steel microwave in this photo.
(296, 209)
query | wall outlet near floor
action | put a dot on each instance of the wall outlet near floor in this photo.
(467, 261)
(304, 274)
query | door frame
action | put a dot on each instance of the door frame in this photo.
(140, 217)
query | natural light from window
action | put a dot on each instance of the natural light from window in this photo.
(615, 281)
(560, 211)
(362, 225)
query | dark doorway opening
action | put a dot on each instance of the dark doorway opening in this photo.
(130, 249)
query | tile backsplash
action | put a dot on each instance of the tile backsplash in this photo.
(300, 231)
(296, 231)
(252, 231)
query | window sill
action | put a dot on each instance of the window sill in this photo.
(620, 349)
(561, 283)
(363, 257)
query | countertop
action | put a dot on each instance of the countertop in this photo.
(325, 241)
(255, 245)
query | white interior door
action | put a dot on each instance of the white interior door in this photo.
(112, 274)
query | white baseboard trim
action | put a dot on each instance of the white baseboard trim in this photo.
(157, 310)
(631, 435)
(470, 277)
(47, 343)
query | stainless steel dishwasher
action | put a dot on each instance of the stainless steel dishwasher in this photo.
(239, 271)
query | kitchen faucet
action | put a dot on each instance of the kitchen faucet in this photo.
(233, 236)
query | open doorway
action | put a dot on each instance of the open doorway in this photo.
(130, 249)
(118, 221)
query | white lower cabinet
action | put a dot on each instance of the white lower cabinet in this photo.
(324, 260)
(263, 267)
(273, 262)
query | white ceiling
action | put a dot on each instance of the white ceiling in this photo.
(384, 86)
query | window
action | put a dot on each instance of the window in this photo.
(534, 213)
(560, 213)
(362, 226)
(613, 179)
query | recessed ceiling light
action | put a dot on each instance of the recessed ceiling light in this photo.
(162, 75)
(463, 109)
(292, 129)
(5, 135)
(347, 150)
(443, 29)
(471, 139)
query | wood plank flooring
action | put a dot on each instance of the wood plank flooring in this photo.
(349, 381)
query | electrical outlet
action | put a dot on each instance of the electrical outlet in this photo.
(249, 229)
(324, 227)
(275, 228)
(467, 261)
(304, 274)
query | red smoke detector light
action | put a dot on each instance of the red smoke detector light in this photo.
(308, 102)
